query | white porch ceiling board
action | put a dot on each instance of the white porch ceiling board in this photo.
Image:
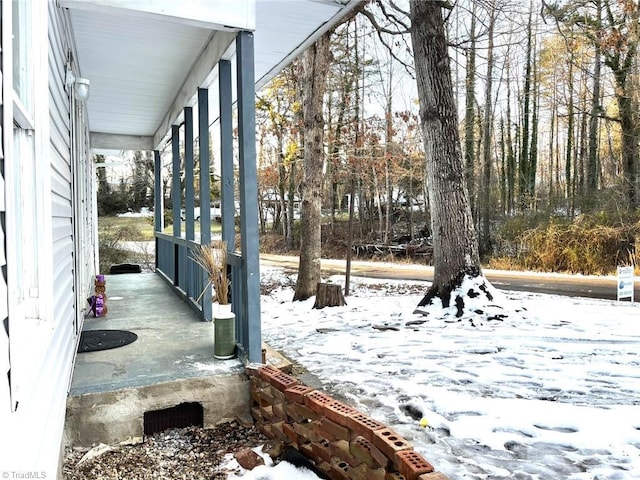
(136, 67)
(144, 68)
(211, 14)
(283, 26)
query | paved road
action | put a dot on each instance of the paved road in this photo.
(558, 284)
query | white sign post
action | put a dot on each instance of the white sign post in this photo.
(625, 283)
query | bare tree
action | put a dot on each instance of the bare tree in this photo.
(470, 113)
(454, 238)
(315, 67)
(613, 29)
(485, 194)
(592, 162)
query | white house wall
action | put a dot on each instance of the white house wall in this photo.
(5, 392)
(50, 253)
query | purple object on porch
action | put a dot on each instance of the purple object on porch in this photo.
(97, 305)
(100, 278)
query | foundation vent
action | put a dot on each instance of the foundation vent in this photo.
(180, 416)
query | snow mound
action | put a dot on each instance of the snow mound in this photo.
(475, 302)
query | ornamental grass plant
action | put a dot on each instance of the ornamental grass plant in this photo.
(213, 259)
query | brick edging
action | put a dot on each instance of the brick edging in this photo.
(344, 443)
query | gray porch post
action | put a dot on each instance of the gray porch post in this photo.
(176, 195)
(249, 194)
(189, 196)
(227, 203)
(158, 201)
(205, 187)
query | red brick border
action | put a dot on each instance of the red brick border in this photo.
(343, 442)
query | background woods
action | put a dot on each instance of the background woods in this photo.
(547, 94)
(547, 100)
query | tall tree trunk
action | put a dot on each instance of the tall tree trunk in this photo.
(630, 132)
(485, 244)
(101, 173)
(280, 218)
(469, 117)
(289, 239)
(523, 179)
(533, 149)
(377, 202)
(454, 240)
(582, 156)
(592, 162)
(356, 153)
(552, 152)
(282, 200)
(503, 168)
(293, 165)
(570, 138)
(511, 156)
(346, 87)
(315, 67)
(388, 134)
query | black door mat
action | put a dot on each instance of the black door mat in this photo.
(96, 340)
(125, 268)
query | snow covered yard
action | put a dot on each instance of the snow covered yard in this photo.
(550, 392)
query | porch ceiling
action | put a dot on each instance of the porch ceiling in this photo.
(144, 67)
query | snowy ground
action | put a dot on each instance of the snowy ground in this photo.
(550, 392)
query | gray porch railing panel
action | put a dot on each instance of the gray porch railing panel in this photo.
(165, 256)
(182, 268)
(174, 261)
(242, 328)
(197, 281)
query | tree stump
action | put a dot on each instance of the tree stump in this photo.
(329, 295)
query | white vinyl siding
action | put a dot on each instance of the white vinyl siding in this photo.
(43, 196)
(5, 391)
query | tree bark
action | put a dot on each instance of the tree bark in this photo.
(486, 142)
(329, 295)
(511, 156)
(388, 139)
(503, 169)
(315, 67)
(454, 239)
(592, 163)
(533, 149)
(524, 170)
(469, 118)
(629, 148)
(570, 139)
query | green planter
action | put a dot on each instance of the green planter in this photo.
(224, 340)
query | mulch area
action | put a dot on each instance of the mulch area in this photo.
(188, 453)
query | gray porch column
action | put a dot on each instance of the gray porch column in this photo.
(249, 194)
(226, 154)
(176, 196)
(189, 196)
(158, 201)
(205, 187)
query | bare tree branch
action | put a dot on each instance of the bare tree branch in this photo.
(382, 29)
(394, 18)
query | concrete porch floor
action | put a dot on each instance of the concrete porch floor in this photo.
(172, 342)
(170, 363)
